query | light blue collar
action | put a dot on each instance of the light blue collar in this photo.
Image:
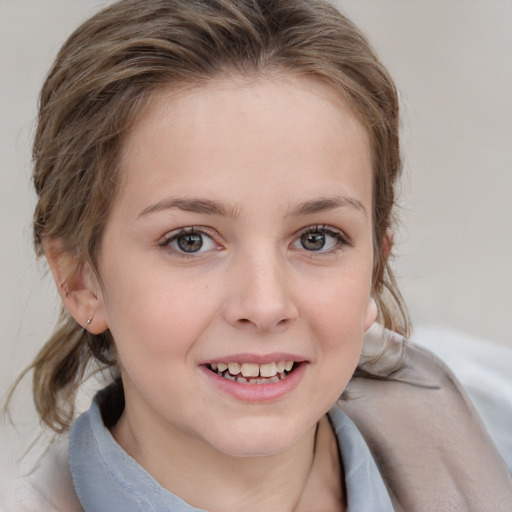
(107, 478)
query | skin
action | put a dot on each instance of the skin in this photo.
(275, 157)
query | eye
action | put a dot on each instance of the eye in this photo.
(320, 239)
(189, 241)
(313, 241)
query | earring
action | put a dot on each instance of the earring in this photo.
(89, 320)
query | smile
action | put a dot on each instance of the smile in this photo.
(253, 373)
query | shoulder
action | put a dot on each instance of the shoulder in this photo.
(423, 430)
(49, 487)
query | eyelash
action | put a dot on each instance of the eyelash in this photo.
(167, 239)
(342, 240)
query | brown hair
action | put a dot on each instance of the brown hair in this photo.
(100, 82)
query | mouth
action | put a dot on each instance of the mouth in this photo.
(254, 373)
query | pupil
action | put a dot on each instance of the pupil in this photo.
(191, 242)
(313, 241)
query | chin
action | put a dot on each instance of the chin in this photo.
(254, 448)
(258, 441)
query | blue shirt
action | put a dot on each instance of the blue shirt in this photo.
(107, 478)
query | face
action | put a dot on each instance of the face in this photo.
(236, 264)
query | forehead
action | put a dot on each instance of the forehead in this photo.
(254, 130)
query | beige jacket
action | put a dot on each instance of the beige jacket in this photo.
(428, 441)
(426, 437)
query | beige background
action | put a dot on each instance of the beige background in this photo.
(452, 61)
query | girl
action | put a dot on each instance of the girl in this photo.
(215, 186)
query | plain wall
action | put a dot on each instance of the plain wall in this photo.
(452, 62)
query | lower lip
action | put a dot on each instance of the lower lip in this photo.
(257, 393)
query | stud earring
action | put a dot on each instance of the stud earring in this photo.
(89, 320)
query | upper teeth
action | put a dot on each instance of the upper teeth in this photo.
(253, 369)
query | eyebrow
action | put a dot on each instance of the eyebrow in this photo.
(328, 203)
(205, 206)
(209, 207)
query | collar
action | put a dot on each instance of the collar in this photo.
(107, 478)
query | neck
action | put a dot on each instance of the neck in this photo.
(214, 481)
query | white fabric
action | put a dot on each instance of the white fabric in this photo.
(485, 370)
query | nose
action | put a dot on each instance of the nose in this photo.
(259, 296)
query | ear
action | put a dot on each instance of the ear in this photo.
(372, 310)
(371, 314)
(77, 285)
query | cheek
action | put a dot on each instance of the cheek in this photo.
(341, 346)
(340, 305)
(155, 315)
(338, 311)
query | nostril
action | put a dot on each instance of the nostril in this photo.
(247, 322)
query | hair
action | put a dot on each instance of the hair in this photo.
(103, 78)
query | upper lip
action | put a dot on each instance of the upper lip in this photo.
(255, 358)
